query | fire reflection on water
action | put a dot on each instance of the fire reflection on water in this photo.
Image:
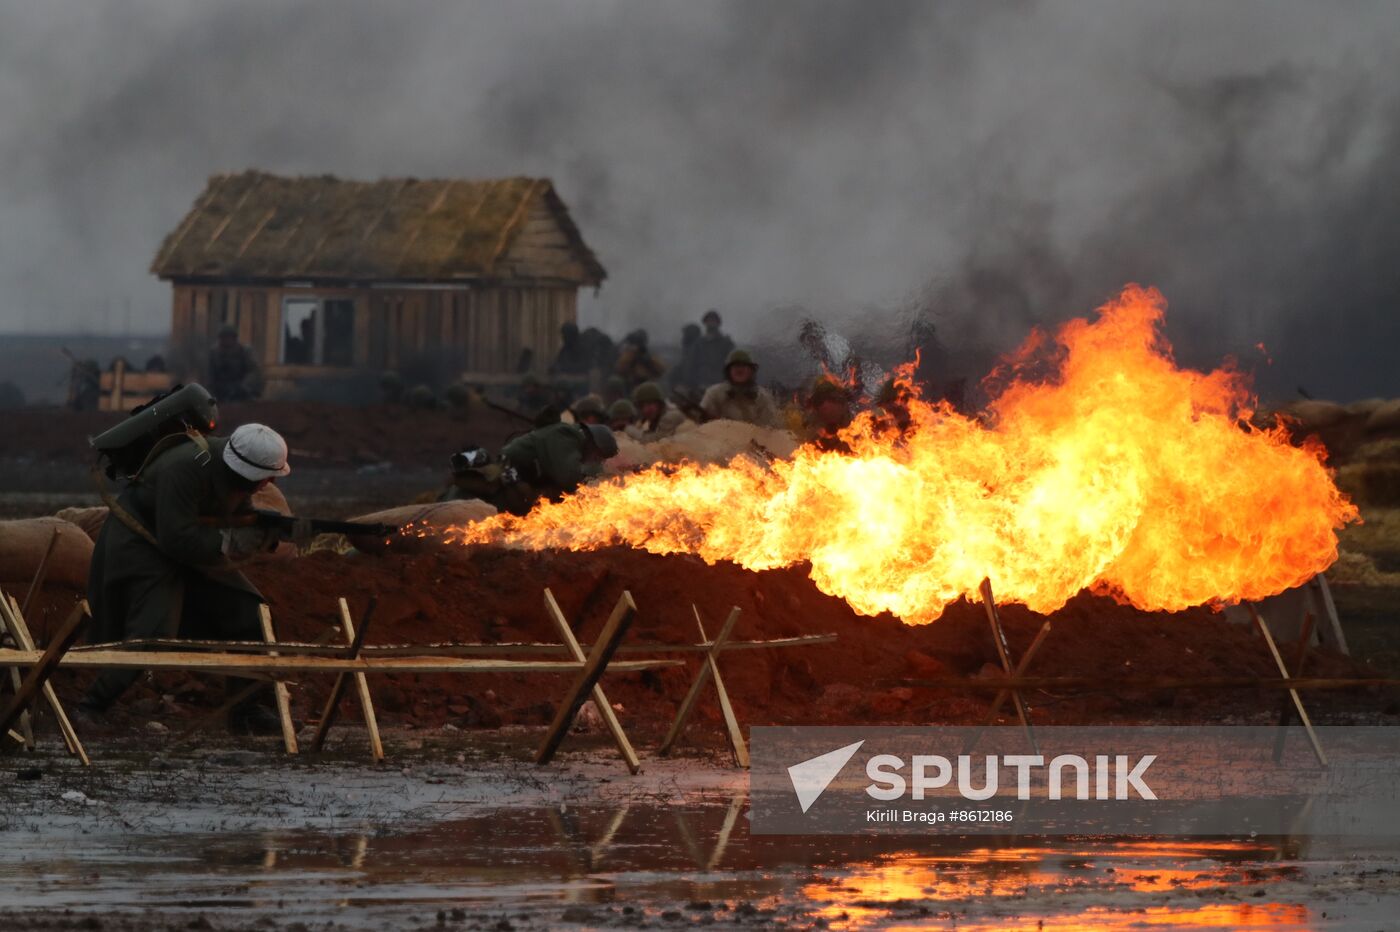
(1094, 886)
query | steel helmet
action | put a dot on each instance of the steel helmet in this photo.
(602, 437)
(622, 409)
(647, 392)
(739, 357)
(256, 452)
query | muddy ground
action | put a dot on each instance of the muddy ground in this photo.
(462, 831)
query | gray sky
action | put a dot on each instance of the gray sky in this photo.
(992, 164)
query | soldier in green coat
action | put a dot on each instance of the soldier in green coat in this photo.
(162, 567)
(556, 459)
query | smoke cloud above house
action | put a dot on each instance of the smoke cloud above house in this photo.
(985, 166)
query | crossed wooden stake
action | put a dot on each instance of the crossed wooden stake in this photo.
(709, 670)
(27, 687)
(1004, 655)
(1293, 699)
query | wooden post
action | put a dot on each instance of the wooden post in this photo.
(323, 728)
(37, 583)
(624, 747)
(117, 402)
(731, 723)
(1002, 694)
(593, 667)
(1300, 659)
(999, 639)
(376, 746)
(1293, 693)
(702, 677)
(1329, 632)
(279, 688)
(19, 629)
(39, 674)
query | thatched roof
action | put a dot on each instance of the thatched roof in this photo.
(256, 226)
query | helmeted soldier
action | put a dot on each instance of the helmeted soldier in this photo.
(656, 417)
(233, 370)
(163, 566)
(739, 397)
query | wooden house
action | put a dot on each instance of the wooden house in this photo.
(327, 279)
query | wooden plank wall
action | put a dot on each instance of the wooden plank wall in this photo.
(487, 327)
(541, 250)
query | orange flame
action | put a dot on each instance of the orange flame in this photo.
(1100, 465)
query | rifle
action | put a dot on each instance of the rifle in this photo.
(283, 524)
(689, 406)
(511, 412)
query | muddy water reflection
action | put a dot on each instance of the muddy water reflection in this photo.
(655, 857)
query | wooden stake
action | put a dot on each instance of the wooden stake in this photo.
(37, 583)
(376, 746)
(323, 728)
(1330, 631)
(269, 668)
(999, 639)
(731, 723)
(279, 688)
(605, 709)
(593, 667)
(19, 629)
(1300, 658)
(1293, 693)
(39, 674)
(1002, 694)
(702, 677)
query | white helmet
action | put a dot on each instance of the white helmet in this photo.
(256, 452)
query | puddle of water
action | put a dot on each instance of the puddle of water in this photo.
(532, 862)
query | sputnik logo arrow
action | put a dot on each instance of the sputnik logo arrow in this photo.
(811, 777)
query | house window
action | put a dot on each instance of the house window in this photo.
(318, 332)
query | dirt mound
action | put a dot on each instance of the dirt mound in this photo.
(484, 594)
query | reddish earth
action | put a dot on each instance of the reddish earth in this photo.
(495, 595)
(319, 433)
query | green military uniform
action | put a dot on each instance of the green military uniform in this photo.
(552, 458)
(180, 585)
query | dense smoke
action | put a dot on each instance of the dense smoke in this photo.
(983, 166)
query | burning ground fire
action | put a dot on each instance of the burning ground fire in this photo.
(1100, 465)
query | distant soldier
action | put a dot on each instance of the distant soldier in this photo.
(828, 413)
(534, 396)
(656, 417)
(686, 375)
(391, 387)
(85, 390)
(712, 350)
(739, 397)
(636, 364)
(589, 410)
(575, 356)
(233, 371)
(556, 459)
(622, 414)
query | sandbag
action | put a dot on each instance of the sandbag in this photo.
(715, 442)
(22, 547)
(424, 525)
(89, 519)
(1316, 415)
(1385, 418)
